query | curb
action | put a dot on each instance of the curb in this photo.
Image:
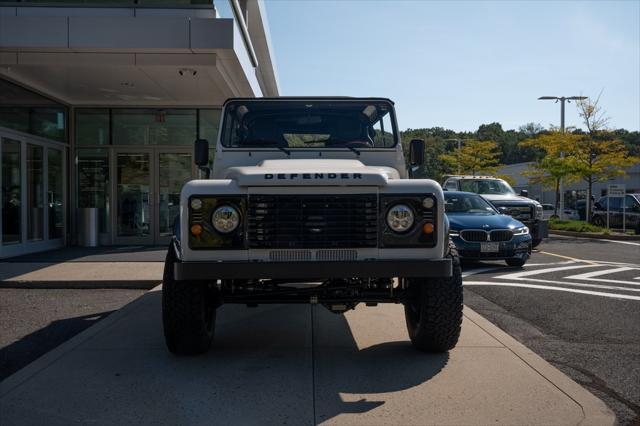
(82, 285)
(595, 410)
(595, 236)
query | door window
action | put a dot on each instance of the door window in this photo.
(133, 194)
(11, 192)
(55, 198)
(35, 193)
(174, 170)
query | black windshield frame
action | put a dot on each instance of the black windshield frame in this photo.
(331, 108)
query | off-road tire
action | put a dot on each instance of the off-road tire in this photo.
(188, 312)
(536, 242)
(598, 221)
(433, 311)
(516, 262)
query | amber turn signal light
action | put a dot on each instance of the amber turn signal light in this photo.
(196, 229)
(427, 228)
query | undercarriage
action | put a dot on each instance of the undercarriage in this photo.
(337, 295)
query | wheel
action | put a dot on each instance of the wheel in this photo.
(433, 309)
(598, 221)
(188, 312)
(536, 242)
(516, 261)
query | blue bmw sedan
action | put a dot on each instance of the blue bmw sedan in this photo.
(480, 232)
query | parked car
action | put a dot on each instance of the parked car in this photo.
(547, 211)
(631, 212)
(481, 232)
(499, 193)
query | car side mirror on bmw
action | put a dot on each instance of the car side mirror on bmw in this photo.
(503, 210)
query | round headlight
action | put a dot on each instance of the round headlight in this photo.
(400, 218)
(225, 219)
(427, 203)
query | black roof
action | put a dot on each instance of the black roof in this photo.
(312, 98)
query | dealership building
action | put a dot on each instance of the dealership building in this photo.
(100, 103)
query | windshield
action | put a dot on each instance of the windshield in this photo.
(486, 186)
(309, 124)
(467, 204)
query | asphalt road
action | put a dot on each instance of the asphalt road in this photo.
(577, 304)
(34, 321)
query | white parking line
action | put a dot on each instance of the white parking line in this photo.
(547, 287)
(520, 275)
(602, 286)
(589, 276)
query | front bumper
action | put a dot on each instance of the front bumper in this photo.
(440, 268)
(539, 229)
(516, 248)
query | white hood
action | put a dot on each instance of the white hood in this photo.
(307, 172)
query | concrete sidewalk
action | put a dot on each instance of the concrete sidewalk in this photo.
(78, 267)
(296, 364)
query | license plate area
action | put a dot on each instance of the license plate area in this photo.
(489, 247)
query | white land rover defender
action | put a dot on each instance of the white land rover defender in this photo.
(310, 202)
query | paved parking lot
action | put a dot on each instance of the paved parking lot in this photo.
(577, 304)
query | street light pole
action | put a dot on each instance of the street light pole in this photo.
(562, 100)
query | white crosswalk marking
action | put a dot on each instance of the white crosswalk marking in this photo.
(547, 287)
(589, 276)
(520, 275)
(595, 283)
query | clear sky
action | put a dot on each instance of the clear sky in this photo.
(459, 64)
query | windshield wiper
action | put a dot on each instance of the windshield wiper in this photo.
(286, 151)
(352, 149)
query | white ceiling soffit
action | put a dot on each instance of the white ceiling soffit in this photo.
(124, 78)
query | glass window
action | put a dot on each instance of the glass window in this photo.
(11, 192)
(93, 183)
(35, 193)
(174, 172)
(154, 127)
(92, 127)
(209, 125)
(307, 124)
(55, 197)
(49, 123)
(15, 118)
(630, 202)
(134, 194)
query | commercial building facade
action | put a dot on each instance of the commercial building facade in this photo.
(573, 191)
(100, 103)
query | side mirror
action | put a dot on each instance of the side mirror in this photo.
(524, 193)
(416, 152)
(503, 210)
(201, 153)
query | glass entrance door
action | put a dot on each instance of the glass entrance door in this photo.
(147, 188)
(133, 198)
(174, 170)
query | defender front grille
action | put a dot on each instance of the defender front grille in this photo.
(312, 221)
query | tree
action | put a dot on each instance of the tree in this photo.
(474, 157)
(556, 163)
(599, 155)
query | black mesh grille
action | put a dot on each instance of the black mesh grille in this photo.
(501, 235)
(312, 221)
(472, 235)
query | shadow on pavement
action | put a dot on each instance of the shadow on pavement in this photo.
(32, 346)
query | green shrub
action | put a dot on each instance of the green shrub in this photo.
(574, 225)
